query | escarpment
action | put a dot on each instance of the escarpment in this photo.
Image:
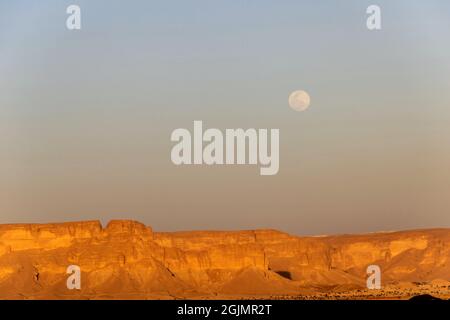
(127, 259)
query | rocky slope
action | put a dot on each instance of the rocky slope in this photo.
(128, 260)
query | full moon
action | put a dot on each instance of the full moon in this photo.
(299, 100)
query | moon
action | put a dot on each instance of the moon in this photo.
(299, 100)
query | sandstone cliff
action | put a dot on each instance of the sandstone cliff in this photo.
(128, 260)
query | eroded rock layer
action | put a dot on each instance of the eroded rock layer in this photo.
(128, 260)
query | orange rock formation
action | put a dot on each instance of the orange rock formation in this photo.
(128, 260)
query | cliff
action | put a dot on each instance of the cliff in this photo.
(128, 260)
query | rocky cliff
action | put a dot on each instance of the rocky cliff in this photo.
(128, 260)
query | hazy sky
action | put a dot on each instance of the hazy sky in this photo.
(86, 116)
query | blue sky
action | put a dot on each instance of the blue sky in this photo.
(86, 116)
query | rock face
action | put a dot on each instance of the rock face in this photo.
(128, 260)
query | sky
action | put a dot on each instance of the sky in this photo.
(86, 116)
